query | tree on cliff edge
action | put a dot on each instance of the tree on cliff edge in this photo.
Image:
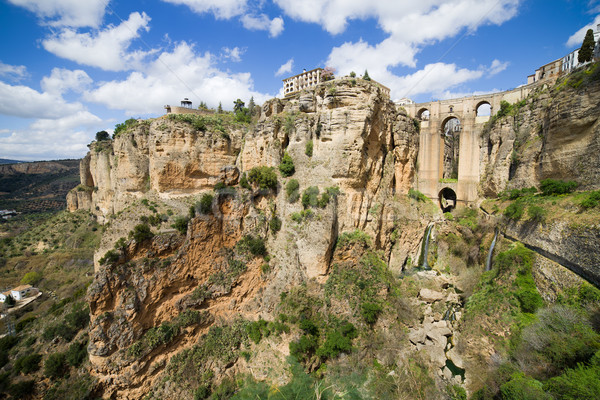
(586, 52)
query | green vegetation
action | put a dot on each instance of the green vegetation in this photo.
(263, 177)
(537, 213)
(275, 224)
(304, 215)
(102, 135)
(366, 76)
(311, 198)
(181, 224)
(292, 190)
(354, 237)
(202, 123)
(418, 196)
(253, 245)
(592, 200)
(204, 206)
(308, 149)
(586, 52)
(31, 278)
(244, 182)
(124, 127)
(140, 233)
(550, 187)
(287, 165)
(515, 211)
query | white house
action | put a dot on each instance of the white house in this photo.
(20, 292)
(4, 295)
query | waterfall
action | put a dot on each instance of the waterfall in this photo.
(426, 247)
(488, 263)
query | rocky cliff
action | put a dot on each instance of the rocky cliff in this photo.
(254, 257)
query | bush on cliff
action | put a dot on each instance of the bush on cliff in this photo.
(141, 232)
(554, 187)
(287, 166)
(264, 177)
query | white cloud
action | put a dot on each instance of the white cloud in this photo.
(497, 67)
(12, 72)
(46, 139)
(434, 78)
(285, 68)
(223, 9)
(74, 13)
(576, 39)
(22, 101)
(263, 23)
(161, 82)
(106, 49)
(234, 54)
(62, 80)
(409, 25)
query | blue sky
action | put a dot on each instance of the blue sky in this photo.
(69, 68)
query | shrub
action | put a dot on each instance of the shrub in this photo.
(554, 187)
(204, 206)
(76, 354)
(292, 190)
(22, 389)
(27, 364)
(523, 387)
(537, 213)
(110, 257)
(55, 365)
(308, 149)
(120, 128)
(141, 232)
(310, 197)
(22, 324)
(264, 177)
(304, 347)
(302, 216)
(370, 312)
(275, 224)
(353, 237)
(416, 195)
(102, 135)
(515, 211)
(287, 165)
(581, 382)
(181, 224)
(244, 182)
(255, 245)
(592, 200)
(31, 278)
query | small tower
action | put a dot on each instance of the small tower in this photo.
(186, 103)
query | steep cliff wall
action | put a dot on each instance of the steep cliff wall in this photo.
(554, 134)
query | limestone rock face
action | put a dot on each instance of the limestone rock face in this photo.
(556, 134)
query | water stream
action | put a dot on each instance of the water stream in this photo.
(488, 263)
(425, 265)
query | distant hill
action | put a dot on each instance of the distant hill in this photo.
(7, 161)
(37, 186)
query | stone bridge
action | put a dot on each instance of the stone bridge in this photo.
(450, 144)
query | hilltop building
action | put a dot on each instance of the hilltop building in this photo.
(312, 78)
(301, 81)
(564, 65)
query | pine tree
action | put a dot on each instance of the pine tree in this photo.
(586, 52)
(251, 105)
(220, 109)
(366, 76)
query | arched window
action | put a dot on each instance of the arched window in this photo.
(484, 109)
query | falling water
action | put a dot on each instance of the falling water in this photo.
(426, 247)
(488, 263)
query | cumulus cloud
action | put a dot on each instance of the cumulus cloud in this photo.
(169, 78)
(223, 9)
(409, 25)
(263, 23)
(62, 80)
(46, 139)
(497, 67)
(73, 13)
(12, 72)
(285, 68)
(25, 102)
(106, 49)
(576, 39)
(234, 54)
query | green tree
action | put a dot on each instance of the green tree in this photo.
(102, 135)
(238, 105)
(366, 76)
(287, 165)
(352, 74)
(220, 108)
(31, 278)
(251, 105)
(586, 52)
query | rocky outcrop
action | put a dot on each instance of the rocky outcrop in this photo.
(555, 134)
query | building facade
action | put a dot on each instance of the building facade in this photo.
(302, 81)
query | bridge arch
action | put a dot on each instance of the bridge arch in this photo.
(423, 114)
(450, 125)
(447, 198)
(483, 109)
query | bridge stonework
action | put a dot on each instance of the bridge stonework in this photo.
(432, 141)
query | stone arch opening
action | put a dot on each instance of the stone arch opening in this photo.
(423, 114)
(447, 199)
(483, 109)
(451, 135)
